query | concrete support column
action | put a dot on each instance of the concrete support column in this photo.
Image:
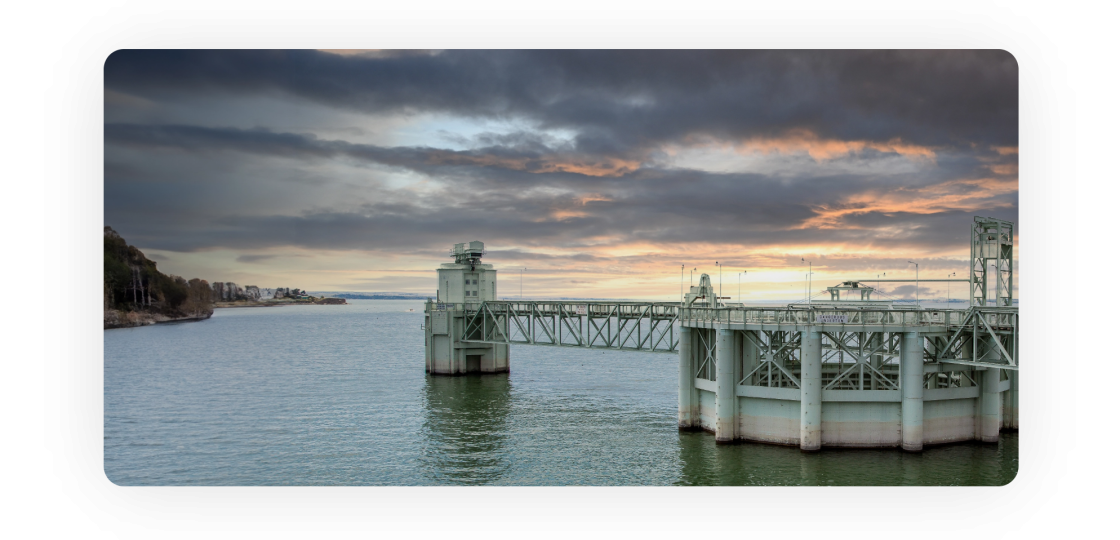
(696, 423)
(725, 387)
(1014, 409)
(428, 341)
(686, 380)
(913, 406)
(810, 391)
(1005, 410)
(989, 406)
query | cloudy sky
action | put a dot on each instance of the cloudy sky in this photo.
(601, 173)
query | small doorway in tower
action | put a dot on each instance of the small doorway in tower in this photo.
(474, 363)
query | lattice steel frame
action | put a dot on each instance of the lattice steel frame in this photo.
(992, 240)
(645, 327)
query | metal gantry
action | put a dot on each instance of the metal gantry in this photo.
(839, 372)
(627, 326)
(863, 343)
(992, 240)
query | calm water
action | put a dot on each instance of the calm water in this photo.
(337, 395)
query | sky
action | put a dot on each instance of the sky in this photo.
(590, 174)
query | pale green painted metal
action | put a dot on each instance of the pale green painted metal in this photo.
(725, 387)
(1015, 400)
(991, 401)
(840, 373)
(992, 240)
(912, 389)
(811, 392)
(684, 383)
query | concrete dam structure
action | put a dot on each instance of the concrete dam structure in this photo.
(848, 371)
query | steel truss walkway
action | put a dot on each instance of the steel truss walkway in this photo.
(626, 326)
(649, 326)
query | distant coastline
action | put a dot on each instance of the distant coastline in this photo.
(378, 296)
(274, 302)
(136, 293)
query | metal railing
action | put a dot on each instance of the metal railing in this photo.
(648, 326)
(995, 316)
(951, 318)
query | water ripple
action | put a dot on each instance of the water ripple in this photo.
(337, 395)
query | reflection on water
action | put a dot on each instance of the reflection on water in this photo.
(465, 426)
(337, 395)
(755, 464)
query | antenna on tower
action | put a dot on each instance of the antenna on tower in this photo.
(468, 253)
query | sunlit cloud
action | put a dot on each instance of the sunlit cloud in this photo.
(824, 149)
(602, 172)
(969, 195)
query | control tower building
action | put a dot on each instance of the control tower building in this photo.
(463, 285)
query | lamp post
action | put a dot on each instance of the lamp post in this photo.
(948, 296)
(809, 291)
(915, 282)
(521, 294)
(682, 284)
(741, 286)
(720, 283)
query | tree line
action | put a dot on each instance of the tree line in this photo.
(132, 283)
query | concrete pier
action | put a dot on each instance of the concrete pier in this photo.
(842, 373)
(463, 285)
(817, 379)
(913, 414)
(1005, 411)
(725, 387)
(1013, 395)
(807, 377)
(811, 394)
(685, 405)
(989, 406)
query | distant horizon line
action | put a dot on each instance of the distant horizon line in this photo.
(418, 296)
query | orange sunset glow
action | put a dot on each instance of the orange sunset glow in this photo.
(588, 174)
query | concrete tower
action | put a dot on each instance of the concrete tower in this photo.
(467, 280)
(463, 286)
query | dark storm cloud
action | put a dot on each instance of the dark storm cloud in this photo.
(295, 146)
(621, 101)
(492, 193)
(496, 166)
(618, 178)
